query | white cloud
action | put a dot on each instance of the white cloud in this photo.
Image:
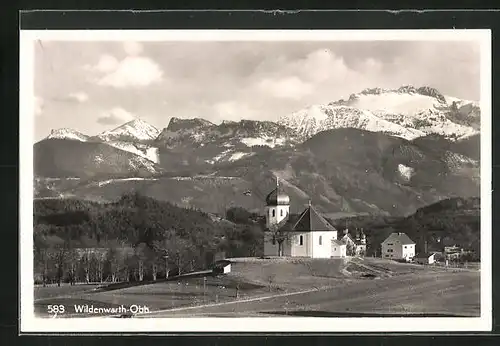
(106, 63)
(321, 65)
(286, 87)
(233, 110)
(372, 66)
(132, 48)
(114, 116)
(79, 96)
(133, 72)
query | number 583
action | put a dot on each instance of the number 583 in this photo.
(55, 309)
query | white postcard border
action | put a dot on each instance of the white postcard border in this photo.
(29, 323)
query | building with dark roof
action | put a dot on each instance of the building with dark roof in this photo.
(425, 258)
(398, 246)
(306, 235)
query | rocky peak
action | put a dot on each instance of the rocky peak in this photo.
(177, 124)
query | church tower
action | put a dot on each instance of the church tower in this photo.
(277, 206)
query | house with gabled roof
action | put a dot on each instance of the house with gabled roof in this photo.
(356, 246)
(425, 258)
(398, 246)
(306, 235)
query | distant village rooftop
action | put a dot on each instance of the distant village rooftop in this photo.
(399, 237)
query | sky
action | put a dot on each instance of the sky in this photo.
(92, 87)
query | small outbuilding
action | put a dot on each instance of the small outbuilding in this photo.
(425, 258)
(222, 267)
(339, 249)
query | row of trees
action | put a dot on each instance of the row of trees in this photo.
(135, 239)
(138, 238)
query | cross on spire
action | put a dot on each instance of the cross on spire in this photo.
(277, 182)
(309, 202)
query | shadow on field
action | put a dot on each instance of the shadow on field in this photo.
(120, 285)
(171, 294)
(357, 314)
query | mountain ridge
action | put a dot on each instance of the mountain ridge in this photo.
(357, 161)
(406, 112)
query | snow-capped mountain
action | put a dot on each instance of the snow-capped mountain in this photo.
(127, 137)
(146, 151)
(135, 130)
(367, 171)
(201, 142)
(66, 133)
(57, 157)
(406, 112)
(247, 132)
(314, 119)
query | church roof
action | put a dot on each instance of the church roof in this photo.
(311, 220)
(277, 197)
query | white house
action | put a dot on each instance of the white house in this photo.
(356, 246)
(339, 248)
(398, 246)
(305, 235)
(425, 258)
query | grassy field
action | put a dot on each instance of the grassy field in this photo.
(429, 294)
(288, 274)
(51, 291)
(340, 287)
(162, 295)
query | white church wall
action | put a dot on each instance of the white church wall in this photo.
(298, 249)
(322, 244)
(276, 214)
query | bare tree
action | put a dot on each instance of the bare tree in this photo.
(350, 249)
(141, 269)
(72, 260)
(100, 257)
(129, 265)
(114, 259)
(270, 280)
(277, 235)
(60, 256)
(86, 265)
(154, 269)
(144, 255)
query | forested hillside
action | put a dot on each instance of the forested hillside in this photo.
(454, 221)
(129, 239)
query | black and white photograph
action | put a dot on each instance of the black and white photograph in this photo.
(218, 180)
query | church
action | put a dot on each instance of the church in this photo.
(306, 235)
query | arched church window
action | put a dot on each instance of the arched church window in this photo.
(301, 240)
(274, 213)
(281, 212)
(320, 240)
